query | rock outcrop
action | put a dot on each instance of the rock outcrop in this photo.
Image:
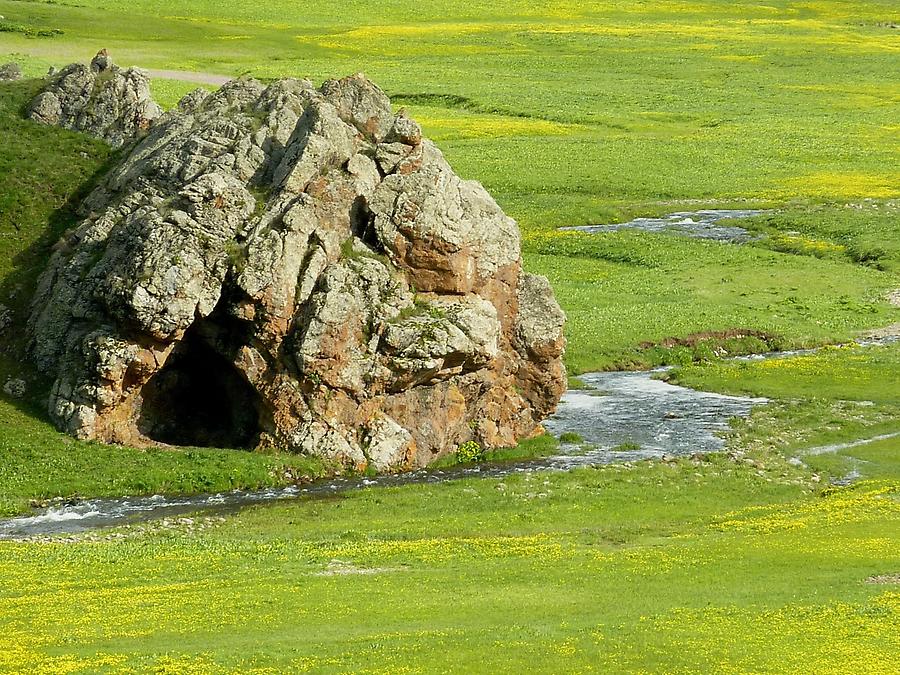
(10, 72)
(101, 99)
(15, 388)
(290, 267)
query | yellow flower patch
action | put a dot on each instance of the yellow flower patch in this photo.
(442, 125)
(838, 638)
(845, 185)
(805, 245)
(867, 502)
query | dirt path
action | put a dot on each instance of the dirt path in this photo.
(190, 76)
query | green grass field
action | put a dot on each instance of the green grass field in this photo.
(697, 566)
(625, 289)
(574, 113)
(570, 113)
(613, 107)
(738, 562)
(476, 578)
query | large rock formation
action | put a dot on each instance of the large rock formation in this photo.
(291, 267)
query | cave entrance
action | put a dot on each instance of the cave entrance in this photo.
(198, 398)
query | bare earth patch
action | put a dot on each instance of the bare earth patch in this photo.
(894, 329)
(337, 568)
(695, 339)
(884, 579)
(887, 332)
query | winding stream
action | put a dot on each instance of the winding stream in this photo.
(838, 447)
(621, 416)
(629, 407)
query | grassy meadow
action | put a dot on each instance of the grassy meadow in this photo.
(730, 562)
(570, 113)
(705, 567)
(741, 561)
(577, 113)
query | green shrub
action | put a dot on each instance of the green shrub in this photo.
(469, 451)
(627, 446)
(28, 31)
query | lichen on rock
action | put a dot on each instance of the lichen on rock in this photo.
(289, 267)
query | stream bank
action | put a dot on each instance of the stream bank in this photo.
(627, 416)
(618, 417)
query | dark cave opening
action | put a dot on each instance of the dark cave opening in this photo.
(199, 399)
(362, 224)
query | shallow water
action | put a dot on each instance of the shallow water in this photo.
(635, 408)
(624, 408)
(838, 447)
(702, 224)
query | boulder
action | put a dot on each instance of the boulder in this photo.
(101, 99)
(15, 388)
(284, 266)
(10, 72)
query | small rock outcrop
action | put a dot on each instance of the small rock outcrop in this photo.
(101, 99)
(15, 388)
(10, 72)
(291, 267)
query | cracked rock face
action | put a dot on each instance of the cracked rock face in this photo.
(291, 267)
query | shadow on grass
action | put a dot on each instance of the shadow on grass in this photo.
(48, 173)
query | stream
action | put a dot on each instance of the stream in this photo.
(654, 418)
(703, 224)
(619, 417)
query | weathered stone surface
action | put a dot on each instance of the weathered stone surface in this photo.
(388, 446)
(15, 388)
(9, 72)
(361, 104)
(5, 318)
(101, 99)
(448, 234)
(291, 267)
(540, 320)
